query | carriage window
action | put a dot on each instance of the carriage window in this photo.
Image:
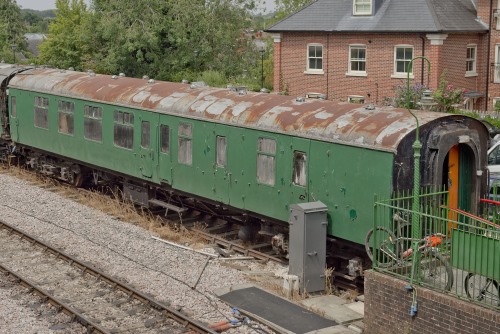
(92, 127)
(124, 129)
(185, 144)
(221, 155)
(164, 139)
(65, 115)
(13, 110)
(145, 134)
(41, 112)
(266, 164)
(299, 176)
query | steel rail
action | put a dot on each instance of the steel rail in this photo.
(237, 247)
(92, 327)
(130, 291)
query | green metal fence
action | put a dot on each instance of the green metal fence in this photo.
(456, 252)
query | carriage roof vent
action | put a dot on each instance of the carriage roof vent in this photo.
(114, 77)
(264, 90)
(320, 96)
(71, 69)
(184, 81)
(198, 84)
(300, 99)
(370, 107)
(151, 81)
(145, 77)
(121, 75)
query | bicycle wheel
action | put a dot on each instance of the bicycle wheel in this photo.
(482, 289)
(386, 248)
(435, 271)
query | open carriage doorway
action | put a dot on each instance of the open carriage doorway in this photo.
(458, 171)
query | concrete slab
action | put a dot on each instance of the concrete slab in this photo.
(332, 307)
(339, 329)
(276, 312)
(357, 307)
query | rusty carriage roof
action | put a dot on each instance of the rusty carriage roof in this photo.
(352, 124)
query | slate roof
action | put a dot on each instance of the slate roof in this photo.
(428, 16)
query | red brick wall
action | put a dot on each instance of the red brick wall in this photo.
(378, 83)
(387, 311)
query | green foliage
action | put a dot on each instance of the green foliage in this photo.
(12, 30)
(497, 106)
(65, 46)
(287, 7)
(447, 95)
(37, 21)
(213, 78)
(415, 95)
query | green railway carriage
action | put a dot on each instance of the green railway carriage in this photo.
(258, 153)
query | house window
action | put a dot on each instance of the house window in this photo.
(362, 7)
(266, 163)
(185, 155)
(357, 59)
(164, 139)
(315, 58)
(65, 117)
(92, 126)
(356, 99)
(496, 104)
(402, 58)
(41, 112)
(123, 129)
(13, 108)
(470, 63)
(221, 154)
(496, 73)
(145, 134)
(299, 176)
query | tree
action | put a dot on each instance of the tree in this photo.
(65, 45)
(287, 7)
(11, 30)
(168, 39)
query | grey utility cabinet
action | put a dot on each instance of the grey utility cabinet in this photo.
(308, 226)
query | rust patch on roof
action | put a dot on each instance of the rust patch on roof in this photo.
(382, 128)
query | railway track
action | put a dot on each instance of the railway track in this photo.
(89, 296)
(206, 225)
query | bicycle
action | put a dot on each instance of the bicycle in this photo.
(393, 250)
(482, 289)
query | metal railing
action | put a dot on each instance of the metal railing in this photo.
(458, 253)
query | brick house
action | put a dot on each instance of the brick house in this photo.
(360, 49)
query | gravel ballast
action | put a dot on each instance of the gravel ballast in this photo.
(119, 249)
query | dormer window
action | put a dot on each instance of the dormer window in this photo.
(362, 7)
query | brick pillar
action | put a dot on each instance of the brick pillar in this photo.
(435, 54)
(277, 62)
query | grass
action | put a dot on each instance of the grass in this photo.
(114, 205)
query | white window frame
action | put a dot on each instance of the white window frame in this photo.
(397, 74)
(472, 72)
(496, 69)
(350, 72)
(497, 15)
(356, 4)
(314, 70)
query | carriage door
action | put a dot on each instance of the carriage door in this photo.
(164, 136)
(300, 158)
(148, 145)
(222, 173)
(460, 168)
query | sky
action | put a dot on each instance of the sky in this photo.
(50, 4)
